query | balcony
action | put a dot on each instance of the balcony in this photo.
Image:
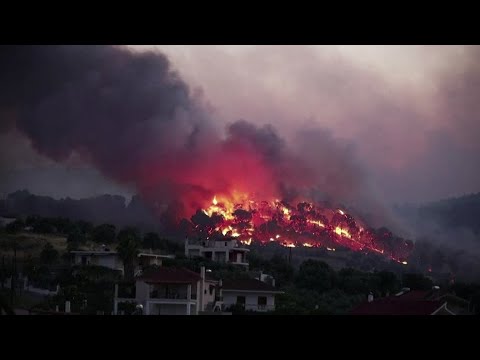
(156, 295)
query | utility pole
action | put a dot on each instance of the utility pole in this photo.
(14, 274)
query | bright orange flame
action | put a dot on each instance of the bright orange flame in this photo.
(307, 245)
(277, 236)
(341, 212)
(215, 202)
(404, 262)
(342, 232)
(290, 245)
(246, 242)
(330, 249)
(316, 223)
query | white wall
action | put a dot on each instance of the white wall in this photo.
(251, 299)
(142, 291)
(171, 309)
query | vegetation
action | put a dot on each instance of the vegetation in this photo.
(129, 243)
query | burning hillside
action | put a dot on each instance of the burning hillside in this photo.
(132, 117)
(303, 224)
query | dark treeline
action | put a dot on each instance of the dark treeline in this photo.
(112, 209)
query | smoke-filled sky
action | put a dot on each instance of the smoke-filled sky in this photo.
(392, 123)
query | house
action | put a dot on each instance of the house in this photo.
(225, 250)
(250, 294)
(170, 291)
(415, 302)
(111, 259)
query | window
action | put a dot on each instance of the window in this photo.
(84, 260)
(262, 302)
(241, 300)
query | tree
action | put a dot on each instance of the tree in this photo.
(129, 242)
(151, 240)
(315, 275)
(76, 237)
(416, 282)
(15, 226)
(104, 234)
(85, 227)
(49, 254)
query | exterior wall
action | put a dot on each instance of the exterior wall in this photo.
(171, 309)
(142, 292)
(110, 261)
(207, 296)
(251, 300)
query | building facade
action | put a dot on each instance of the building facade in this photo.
(224, 251)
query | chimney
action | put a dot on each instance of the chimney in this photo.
(67, 306)
(370, 297)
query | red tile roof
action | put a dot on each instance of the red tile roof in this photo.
(414, 295)
(397, 306)
(247, 285)
(167, 275)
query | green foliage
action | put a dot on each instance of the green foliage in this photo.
(49, 254)
(416, 282)
(129, 242)
(104, 234)
(15, 226)
(76, 237)
(315, 275)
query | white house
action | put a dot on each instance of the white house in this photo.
(251, 294)
(171, 291)
(222, 250)
(108, 259)
(111, 259)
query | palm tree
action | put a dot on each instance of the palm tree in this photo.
(129, 241)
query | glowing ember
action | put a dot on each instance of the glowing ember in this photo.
(246, 242)
(316, 223)
(239, 216)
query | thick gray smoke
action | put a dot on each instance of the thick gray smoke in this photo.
(133, 117)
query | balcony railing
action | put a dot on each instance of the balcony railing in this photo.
(173, 296)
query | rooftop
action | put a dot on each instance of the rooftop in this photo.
(396, 306)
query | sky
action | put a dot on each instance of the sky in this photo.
(407, 114)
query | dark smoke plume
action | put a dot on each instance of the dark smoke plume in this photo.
(134, 118)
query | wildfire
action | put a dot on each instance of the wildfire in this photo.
(246, 242)
(342, 232)
(238, 215)
(316, 223)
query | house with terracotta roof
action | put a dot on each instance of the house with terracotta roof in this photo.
(250, 294)
(415, 302)
(170, 291)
